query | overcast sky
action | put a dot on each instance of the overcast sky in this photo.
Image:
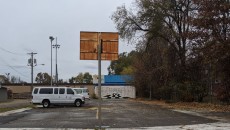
(25, 27)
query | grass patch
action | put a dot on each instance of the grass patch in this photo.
(15, 108)
(6, 109)
(194, 106)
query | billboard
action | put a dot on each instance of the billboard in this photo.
(89, 42)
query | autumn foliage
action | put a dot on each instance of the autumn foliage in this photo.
(183, 48)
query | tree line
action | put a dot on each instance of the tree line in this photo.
(182, 48)
(45, 78)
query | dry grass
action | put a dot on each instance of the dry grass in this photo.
(194, 106)
(10, 108)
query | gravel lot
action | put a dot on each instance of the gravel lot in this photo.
(115, 114)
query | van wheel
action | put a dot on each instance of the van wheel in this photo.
(77, 103)
(46, 103)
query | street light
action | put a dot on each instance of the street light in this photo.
(51, 39)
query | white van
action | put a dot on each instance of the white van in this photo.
(56, 95)
(82, 91)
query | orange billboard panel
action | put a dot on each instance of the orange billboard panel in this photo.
(109, 36)
(89, 42)
(110, 56)
(94, 56)
(88, 46)
(89, 36)
(110, 47)
(88, 56)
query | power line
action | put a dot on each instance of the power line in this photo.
(17, 71)
(11, 67)
(19, 66)
(10, 51)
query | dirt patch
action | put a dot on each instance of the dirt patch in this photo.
(194, 106)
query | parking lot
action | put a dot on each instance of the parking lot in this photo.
(119, 113)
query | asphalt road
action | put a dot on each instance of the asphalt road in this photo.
(115, 114)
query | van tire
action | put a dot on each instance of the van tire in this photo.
(77, 103)
(46, 103)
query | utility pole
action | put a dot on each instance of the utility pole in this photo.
(32, 62)
(99, 79)
(8, 76)
(56, 46)
(210, 77)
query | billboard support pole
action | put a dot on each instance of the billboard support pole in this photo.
(91, 48)
(99, 81)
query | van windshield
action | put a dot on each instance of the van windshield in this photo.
(35, 90)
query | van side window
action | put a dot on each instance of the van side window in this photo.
(78, 91)
(85, 90)
(46, 91)
(35, 90)
(55, 90)
(61, 91)
(69, 91)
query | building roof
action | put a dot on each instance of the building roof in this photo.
(117, 79)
